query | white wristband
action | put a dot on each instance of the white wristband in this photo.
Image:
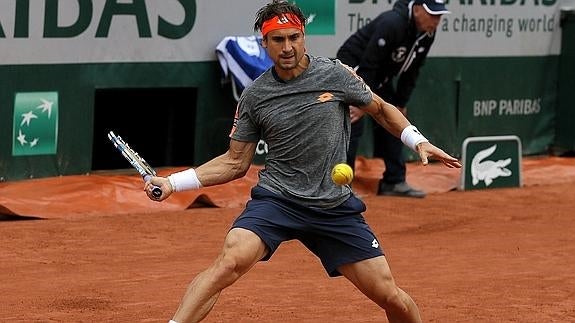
(184, 180)
(411, 137)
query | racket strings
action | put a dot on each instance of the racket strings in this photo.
(132, 156)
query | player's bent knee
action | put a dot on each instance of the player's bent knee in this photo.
(226, 271)
(392, 297)
(388, 295)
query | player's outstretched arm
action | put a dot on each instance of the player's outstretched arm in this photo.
(427, 150)
(391, 118)
(231, 165)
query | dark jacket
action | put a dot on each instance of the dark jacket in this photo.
(389, 46)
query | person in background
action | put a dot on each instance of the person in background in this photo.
(388, 53)
(300, 106)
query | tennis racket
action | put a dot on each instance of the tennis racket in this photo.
(136, 161)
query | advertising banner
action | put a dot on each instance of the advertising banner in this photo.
(88, 31)
(35, 124)
(491, 162)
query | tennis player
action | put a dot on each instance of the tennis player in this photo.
(300, 108)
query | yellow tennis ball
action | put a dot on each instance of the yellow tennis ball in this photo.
(342, 174)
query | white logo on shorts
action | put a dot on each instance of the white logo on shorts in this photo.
(374, 243)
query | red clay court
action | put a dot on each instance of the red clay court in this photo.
(96, 250)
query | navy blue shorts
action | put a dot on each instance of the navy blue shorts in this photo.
(338, 236)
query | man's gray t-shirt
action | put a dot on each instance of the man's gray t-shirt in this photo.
(305, 122)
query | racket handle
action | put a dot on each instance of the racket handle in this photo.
(156, 190)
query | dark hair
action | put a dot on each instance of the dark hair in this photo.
(277, 8)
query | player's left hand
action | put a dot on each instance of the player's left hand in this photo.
(427, 150)
(163, 183)
(355, 113)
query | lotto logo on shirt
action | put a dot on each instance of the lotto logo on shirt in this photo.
(35, 127)
(320, 16)
(325, 97)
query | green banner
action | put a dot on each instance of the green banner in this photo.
(35, 127)
(320, 16)
(491, 162)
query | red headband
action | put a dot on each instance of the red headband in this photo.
(287, 20)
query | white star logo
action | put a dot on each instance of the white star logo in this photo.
(33, 113)
(27, 117)
(21, 138)
(46, 106)
(374, 243)
(34, 142)
(311, 18)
